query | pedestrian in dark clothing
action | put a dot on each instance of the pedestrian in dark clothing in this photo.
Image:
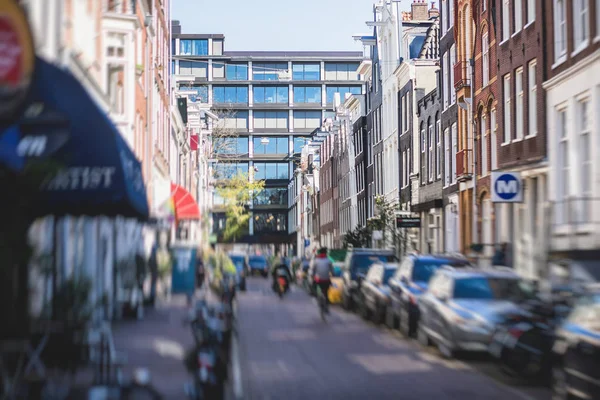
(500, 255)
(153, 264)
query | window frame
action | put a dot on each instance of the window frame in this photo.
(507, 123)
(532, 98)
(519, 104)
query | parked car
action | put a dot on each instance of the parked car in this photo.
(461, 307)
(259, 264)
(241, 266)
(410, 281)
(375, 293)
(357, 264)
(576, 351)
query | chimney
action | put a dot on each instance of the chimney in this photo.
(419, 10)
(433, 11)
(175, 27)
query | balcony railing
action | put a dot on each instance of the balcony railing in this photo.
(461, 75)
(464, 161)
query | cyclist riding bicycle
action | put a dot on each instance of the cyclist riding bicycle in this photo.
(322, 272)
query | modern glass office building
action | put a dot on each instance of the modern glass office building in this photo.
(272, 101)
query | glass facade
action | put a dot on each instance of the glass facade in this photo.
(342, 90)
(193, 47)
(307, 94)
(222, 170)
(230, 94)
(236, 72)
(270, 94)
(271, 119)
(307, 119)
(299, 143)
(266, 170)
(272, 197)
(268, 71)
(270, 222)
(306, 72)
(272, 145)
(341, 71)
(230, 145)
(236, 120)
(201, 94)
(195, 68)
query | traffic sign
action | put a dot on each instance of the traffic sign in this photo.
(507, 187)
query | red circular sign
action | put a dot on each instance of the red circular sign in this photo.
(11, 54)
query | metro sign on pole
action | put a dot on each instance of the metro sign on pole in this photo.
(507, 187)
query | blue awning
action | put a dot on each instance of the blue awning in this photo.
(98, 173)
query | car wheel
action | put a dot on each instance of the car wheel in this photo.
(364, 310)
(422, 337)
(379, 315)
(390, 318)
(346, 304)
(405, 327)
(559, 384)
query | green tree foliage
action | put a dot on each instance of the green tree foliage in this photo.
(237, 193)
(359, 237)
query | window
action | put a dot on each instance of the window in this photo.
(237, 120)
(307, 94)
(268, 71)
(230, 94)
(195, 68)
(454, 150)
(306, 72)
(307, 119)
(507, 121)
(518, 15)
(193, 47)
(270, 94)
(342, 90)
(271, 171)
(444, 16)
(530, 11)
(218, 70)
(299, 143)
(485, 62)
(494, 147)
(237, 72)
(445, 79)
(585, 155)
(223, 170)
(451, 13)
(271, 196)
(484, 144)
(404, 169)
(580, 23)
(271, 120)
(270, 222)
(423, 160)
(230, 145)
(505, 19)
(563, 189)
(438, 151)
(532, 98)
(447, 157)
(597, 18)
(431, 154)
(483, 5)
(217, 47)
(273, 145)
(341, 71)
(452, 62)
(520, 103)
(560, 30)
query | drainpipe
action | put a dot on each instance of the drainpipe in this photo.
(474, 234)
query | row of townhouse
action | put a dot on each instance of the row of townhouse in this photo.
(457, 95)
(120, 51)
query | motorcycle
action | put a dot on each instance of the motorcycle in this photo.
(282, 285)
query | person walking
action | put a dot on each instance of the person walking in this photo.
(499, 258)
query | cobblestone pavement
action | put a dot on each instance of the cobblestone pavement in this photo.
(287, 352)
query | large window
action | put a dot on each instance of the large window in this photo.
(431, 151)
(563, 189)
(224, 170)
(532, 98)
(484, 144)
(218, 69)
(447, 157)
(230, 94)
(452, 62)
(268, 71)
(518, 8)
(270, 222)
(445, 82)
(217, 47)
(438, 151)
(505, 19)
(236, 120)
(307, 94)
(237, 72)
(530, 11)
(299, 143)
(271, 197)
(450, 14)
(195, 68)
(585, 156)
(271, 171)
(423, 160)
(271, 120)
(454, 150)
(230, 145)
(193, 47)
(507, 122)
(581, 23)
(494, 147)
(270, 94)
(201, 92)
(306, 72)
(271, 145)
(520, 103)
(444, 16)
(307, 119)
(341, 71)
(342, 90)
(560, 30)
(485, 61)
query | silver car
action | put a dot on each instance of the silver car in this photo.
(462, 307)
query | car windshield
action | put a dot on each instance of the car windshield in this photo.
(362, 262)
(423, 271)
(490, 288)
(387, 274)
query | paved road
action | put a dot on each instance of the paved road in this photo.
(287, 352)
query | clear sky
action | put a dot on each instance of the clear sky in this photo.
(279, 24)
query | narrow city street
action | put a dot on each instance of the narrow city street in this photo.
(287, 352)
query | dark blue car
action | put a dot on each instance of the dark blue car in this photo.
(258, 264)
(409, 283)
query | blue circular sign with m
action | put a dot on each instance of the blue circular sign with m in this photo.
(507, 187)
